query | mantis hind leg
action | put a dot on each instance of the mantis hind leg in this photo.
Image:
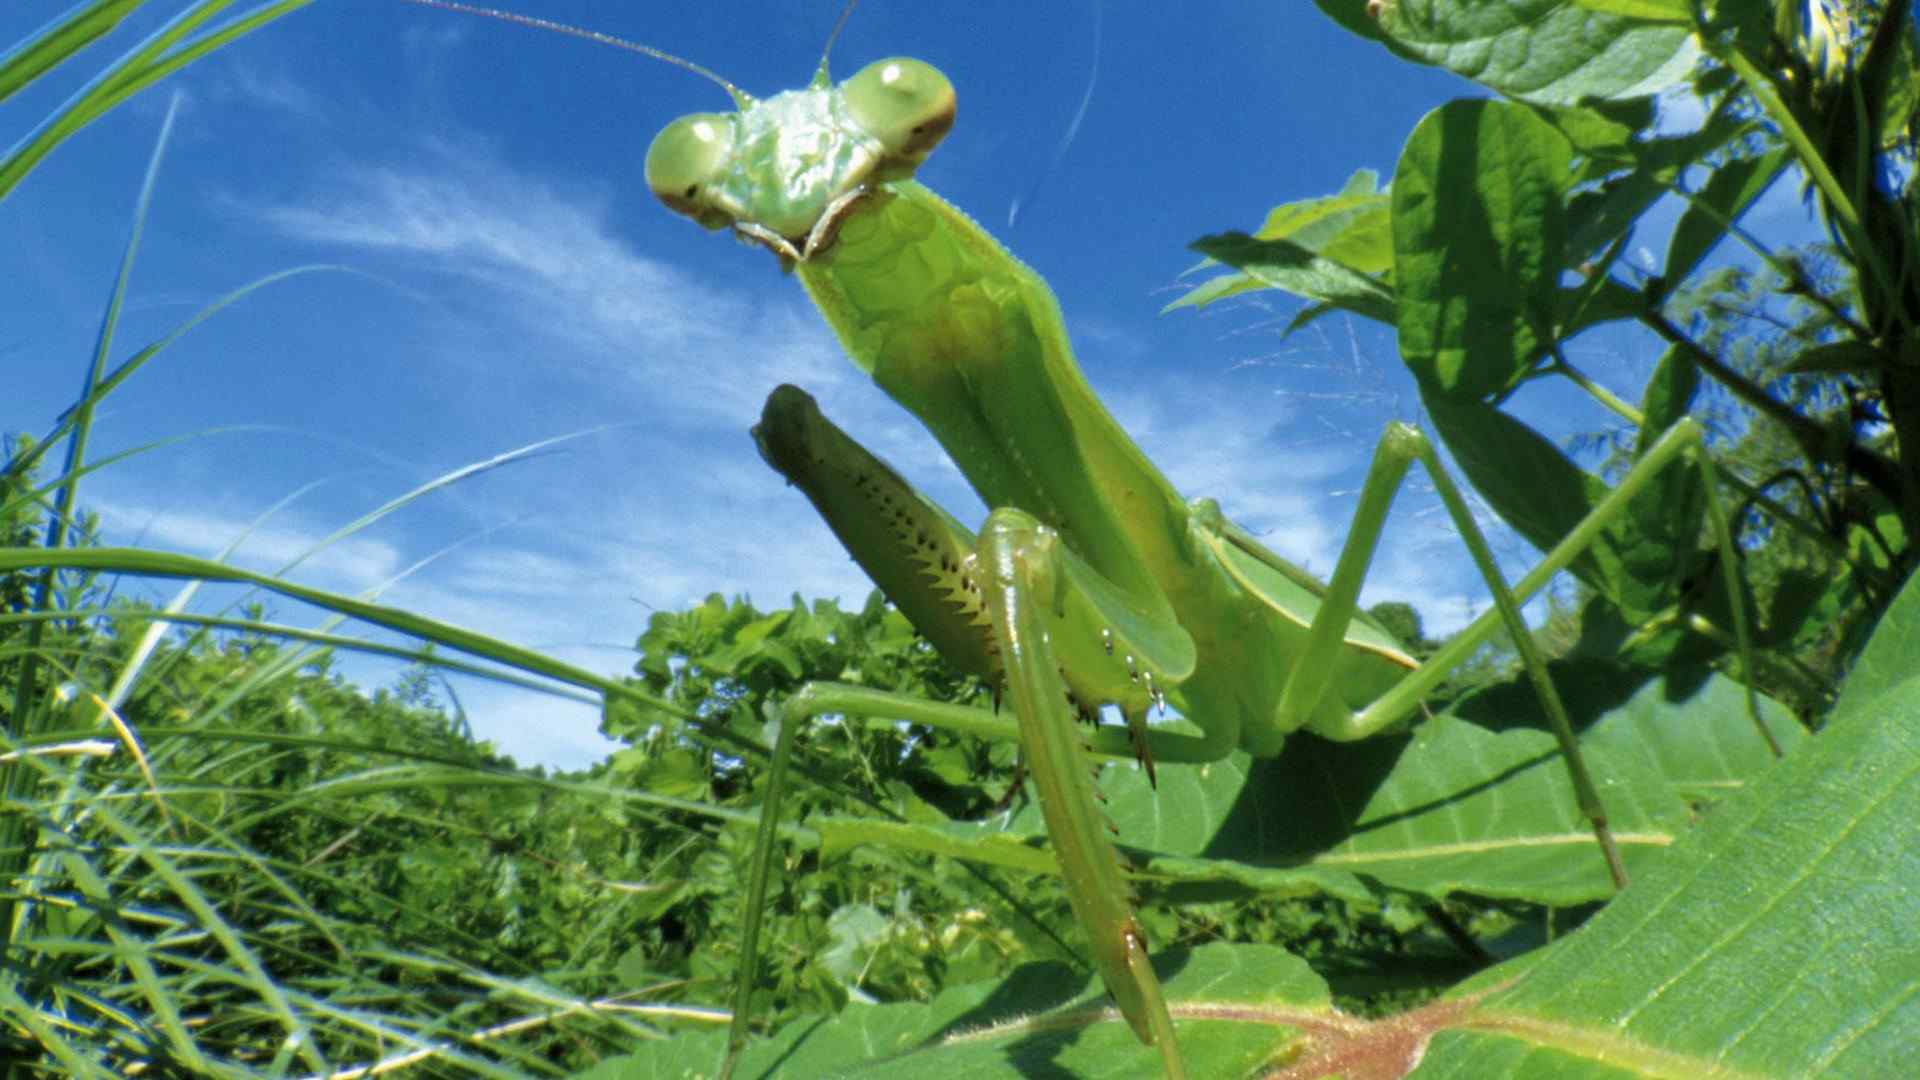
(1401, 445)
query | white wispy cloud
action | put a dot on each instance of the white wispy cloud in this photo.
(242, 80)
(548, 261)
(537, 729)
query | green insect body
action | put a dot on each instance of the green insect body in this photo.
(1092, 583)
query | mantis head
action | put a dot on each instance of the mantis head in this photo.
(782, 171)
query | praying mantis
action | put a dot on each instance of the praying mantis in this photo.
(1092, 582)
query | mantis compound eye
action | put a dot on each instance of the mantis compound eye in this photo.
(905, 104)
(687, 156)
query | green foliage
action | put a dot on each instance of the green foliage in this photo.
(1502, 236)
(887, 927)
(1683, 976)
(192, 33)
(733, 666)
(302, 843)
(1778, 910)
(220, 860)
(1817, 599)
(856, 914)
(216, 825)
(1754, 888)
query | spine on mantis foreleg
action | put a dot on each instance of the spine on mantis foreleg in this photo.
(914, 551)
(1110, 647)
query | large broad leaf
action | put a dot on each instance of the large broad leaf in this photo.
(1455, 807)
(1548, 52)
(1479, 236)
(1044, 1020)
(1337, 250)
(1774, 940)
(1452, 807)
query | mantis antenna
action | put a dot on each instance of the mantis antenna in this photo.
(739, 97)
(839, 24)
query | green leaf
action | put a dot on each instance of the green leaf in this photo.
(1849, 357)
(1668, 11)
(1604, 135)
(1215, 289)
(1657, 536)
(1892, 655)
(1773, 941)
(1719, 204)
(1043, 1020)
(1668, 396)
(1584, 308)
(1804, 602)
(1548, 52)
(1479, 234)
(59, 41)
(1352, 227)
(1283, 264)
(176, 44)
(676, 773)
(1601, 216)
(1901, 96)
(858, 930)
(1534, 487)
(1456, 807)
(1640, 562)
(1469, 802)
(1596, 217)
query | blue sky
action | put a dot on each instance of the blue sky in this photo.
(513, 281)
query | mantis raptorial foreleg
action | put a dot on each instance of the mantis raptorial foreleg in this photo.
(1026, 572)
(1017, 606)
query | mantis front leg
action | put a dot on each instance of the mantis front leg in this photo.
(1019, 608)
(1025, 566)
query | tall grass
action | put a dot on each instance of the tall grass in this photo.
(217, 860)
